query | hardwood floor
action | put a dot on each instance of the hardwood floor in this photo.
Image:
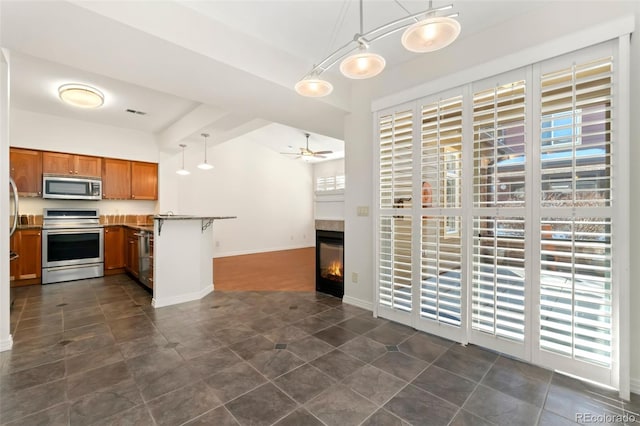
(286, 270)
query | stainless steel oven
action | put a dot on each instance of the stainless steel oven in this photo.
(72, 245)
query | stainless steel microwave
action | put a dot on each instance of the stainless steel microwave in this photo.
(71, 187)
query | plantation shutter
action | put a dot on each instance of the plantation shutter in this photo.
(576, 207)
(498, 268)
(395, 224)
(441, 192)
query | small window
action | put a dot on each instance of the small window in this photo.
(330, 183)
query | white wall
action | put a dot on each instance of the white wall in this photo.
(328, 206)
(6, 340)
(495, 43)
(271, 194)
(52, 133)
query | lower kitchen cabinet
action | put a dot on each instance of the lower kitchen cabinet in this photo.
(114, 249)
(132, 264)
(26, 269)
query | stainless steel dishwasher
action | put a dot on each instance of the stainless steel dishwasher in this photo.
(145, 251)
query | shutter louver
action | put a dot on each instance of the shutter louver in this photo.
(396, 167)
(395, 271)
(576, 134)
(499, 148)
(440, 290)
(499, 276)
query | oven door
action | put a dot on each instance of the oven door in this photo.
(77, 246)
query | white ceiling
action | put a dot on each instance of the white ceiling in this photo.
(220, 67)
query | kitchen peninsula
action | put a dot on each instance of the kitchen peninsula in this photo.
(183, 254)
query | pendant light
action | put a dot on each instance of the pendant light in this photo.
(431, 34)
(183, 171)
(205, 165)
(313, 87)
(362, 64)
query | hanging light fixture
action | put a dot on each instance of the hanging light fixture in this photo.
(425, 32)
(430, 34)
(183, 171)
(205, 165)
(313, 87)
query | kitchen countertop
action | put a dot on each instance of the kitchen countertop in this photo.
(189, 217)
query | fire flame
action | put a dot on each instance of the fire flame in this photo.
(335, 269)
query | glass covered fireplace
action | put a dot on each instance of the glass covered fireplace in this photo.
(330, 262)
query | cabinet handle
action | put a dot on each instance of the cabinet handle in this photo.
(70, 172)
(76, 172)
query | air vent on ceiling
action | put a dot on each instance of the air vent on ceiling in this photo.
(133, 111)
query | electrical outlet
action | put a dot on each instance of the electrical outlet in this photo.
(217, 243)
(354, 277)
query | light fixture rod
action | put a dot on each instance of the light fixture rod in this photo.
(361, 18)
(338, 54)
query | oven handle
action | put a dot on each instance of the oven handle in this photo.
(73, 231)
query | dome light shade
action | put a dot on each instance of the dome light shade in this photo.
(81, 96)
(362, 65)
(313, 87)
(430, 34)
(205, 166)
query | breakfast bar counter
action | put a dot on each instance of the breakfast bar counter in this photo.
(182, 258)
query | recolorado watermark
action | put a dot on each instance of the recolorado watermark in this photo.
(586, 418)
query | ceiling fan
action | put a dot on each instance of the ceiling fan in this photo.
(305, 152)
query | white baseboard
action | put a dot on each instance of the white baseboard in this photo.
(6, 344)
(358, 302)
(635, 386)
(168, 301)
(265, 250)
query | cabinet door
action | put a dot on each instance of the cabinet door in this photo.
(87, 166)
(116, 179)
(144, 181)
(57, 162)
(29, 248)
(114, 248)
(26, 171)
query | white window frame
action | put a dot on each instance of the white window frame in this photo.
(619, 31)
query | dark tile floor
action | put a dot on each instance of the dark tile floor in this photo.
(96, 352)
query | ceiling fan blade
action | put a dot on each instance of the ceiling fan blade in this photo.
(318, 156)
(290, 153)
(323, 152)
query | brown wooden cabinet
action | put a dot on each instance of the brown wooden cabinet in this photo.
(116, 179)
(144, 181)
(26, 171)
(71, 164)
(114, 249)
(132, 253)
(28, 244)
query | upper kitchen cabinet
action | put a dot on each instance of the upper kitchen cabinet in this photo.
(71, 164)
(144, 181)
(116, 179)
(26, 171)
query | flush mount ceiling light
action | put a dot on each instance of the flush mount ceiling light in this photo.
(425, 32)
(183, 171)
(205, 165)
(81, 95)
